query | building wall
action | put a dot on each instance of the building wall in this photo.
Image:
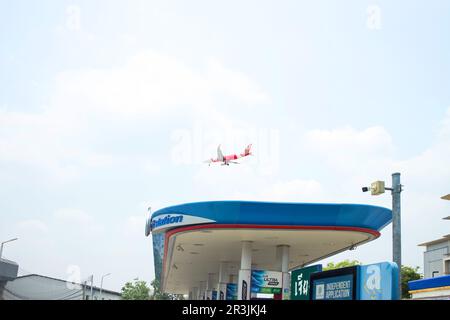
(106, 295)
(35, 287)
(433, 258)
(432, 294)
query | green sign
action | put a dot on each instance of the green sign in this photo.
(300, 282)
(270, 290)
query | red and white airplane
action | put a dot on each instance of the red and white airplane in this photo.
(226, 160)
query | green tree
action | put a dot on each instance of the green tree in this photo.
(409, 274)
(137, 290)
(342, 264)
(159, 295)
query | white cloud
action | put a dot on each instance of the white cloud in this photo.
(224, 176)
(234, 83)
(357, 154)
(73, 216)
(87, 105)
(98, 160)
(294, 191)
(444, 132)
(359, 157)
(33, 225)
(134, 225)
(71, 236)
(150, 83)
(431, 170)
(44, 141)
(245, 182)
(152, 167)
(76, 222)
(347, 142)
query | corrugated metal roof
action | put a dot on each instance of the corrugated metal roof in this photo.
(87, 285)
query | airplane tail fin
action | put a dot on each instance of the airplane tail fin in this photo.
(247, 151)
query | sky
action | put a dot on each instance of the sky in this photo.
(110, 107)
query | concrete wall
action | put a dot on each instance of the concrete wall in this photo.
(433, 258)
(8, 270)
(437, 293)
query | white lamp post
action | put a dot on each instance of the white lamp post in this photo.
(101, 284)
(1, 247)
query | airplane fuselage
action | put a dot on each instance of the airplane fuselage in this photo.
(229, 158)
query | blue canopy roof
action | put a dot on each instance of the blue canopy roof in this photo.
(295, 214)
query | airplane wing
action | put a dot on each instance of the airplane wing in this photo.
(219, 154)
(209, 162)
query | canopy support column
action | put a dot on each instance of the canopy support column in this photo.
(245, 271)
(222, 284)
(283, 266)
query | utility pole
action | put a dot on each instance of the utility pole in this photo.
(378, 188)
(92, 287)
(84, 290)
(101, 284)
(396, 227)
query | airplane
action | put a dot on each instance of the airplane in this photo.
(226, 160)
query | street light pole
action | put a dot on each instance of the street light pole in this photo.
(1, 246)
(101, 284)
(378, 188)
(92, 287)
(396, 227)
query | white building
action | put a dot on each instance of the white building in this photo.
(37, 287)
(436, 258)
(436, 282)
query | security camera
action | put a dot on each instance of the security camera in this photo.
(365, 189)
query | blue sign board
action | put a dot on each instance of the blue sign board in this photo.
(378, 281)
(264, 281)
(231, 291)
(334, 288)
(339, 284)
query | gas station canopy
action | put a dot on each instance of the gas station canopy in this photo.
(190, 241)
